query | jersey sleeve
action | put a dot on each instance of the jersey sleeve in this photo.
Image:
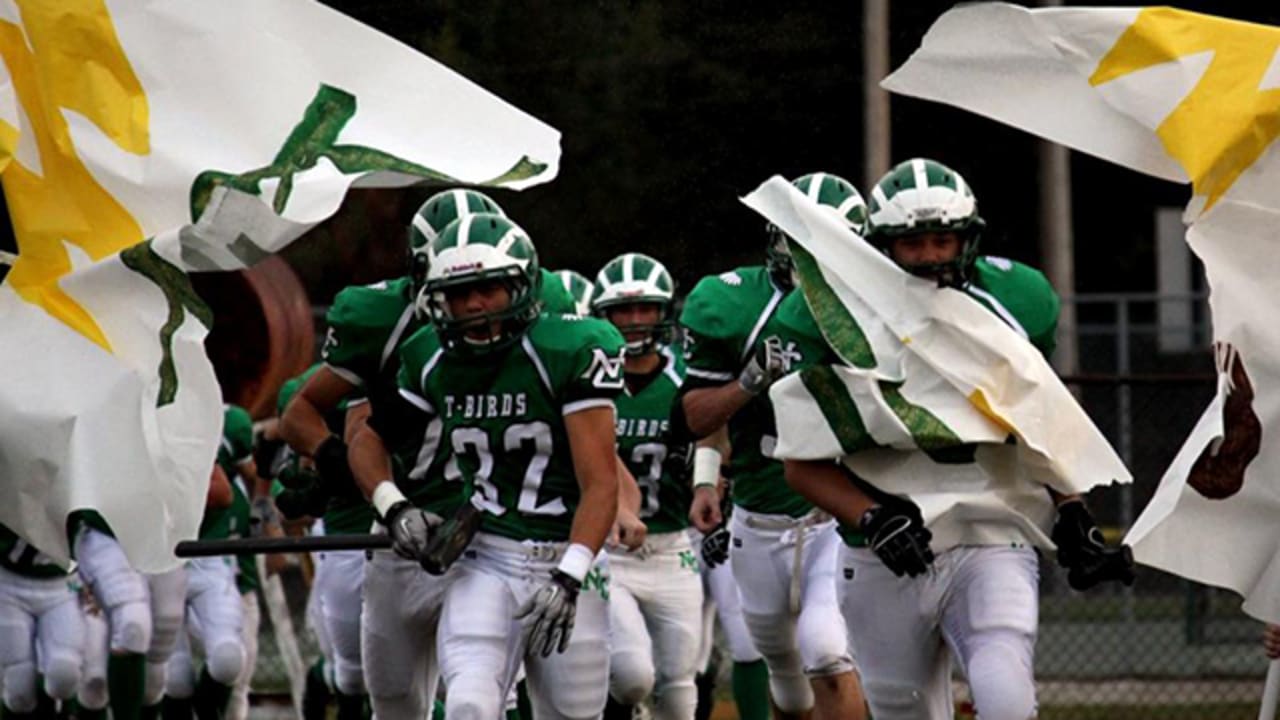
(710, 353)
(360, 322)
(585, 361)
(237, 434)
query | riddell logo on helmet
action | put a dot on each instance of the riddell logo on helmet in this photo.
(927, 213)
(465, 267)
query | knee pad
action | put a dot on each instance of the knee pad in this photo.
(92, 694)
(348, 677)
(131, 629)
(631, 678)
(471, 705)
(775, 641)
(166, 623)
(20, 687)
(891, 701)
(1002, 683)
(225, 661)
(62, 676)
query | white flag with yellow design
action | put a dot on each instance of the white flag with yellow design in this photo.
(140, 141)
(1188, 98)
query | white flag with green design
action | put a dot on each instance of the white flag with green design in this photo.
(939, 398)
(140, 141)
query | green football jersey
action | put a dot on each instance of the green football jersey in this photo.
(20, 557)
(502, 415)
(725, 317)
(642, 428)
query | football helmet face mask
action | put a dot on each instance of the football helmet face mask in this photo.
(433, 216)
(825, 189)
(634, 278)
(481, 248)
(579, 288)
(924, 196)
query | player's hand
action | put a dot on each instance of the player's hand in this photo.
(896, 533)
(410, 529)
(331, 462)
(1083, 551)
(1271, 641)
(704, 511)
(629, 531)
(262, 513)
(715, 546)
(767, 364)
(547, 616)
(305, 501)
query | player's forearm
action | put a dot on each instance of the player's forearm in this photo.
(597, 509)
(219, 494)
(370, 462)
(824, 484)
(302, 425)
(709, 409)
(595, 463)
(628, 489)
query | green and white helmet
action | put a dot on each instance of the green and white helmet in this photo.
(578, 287)
(476, 248)
(826, 189)
(924, 196)
(636, 278)
(434, 215)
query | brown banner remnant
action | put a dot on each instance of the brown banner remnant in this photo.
(1219, 475)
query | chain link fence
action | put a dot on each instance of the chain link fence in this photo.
(1165, 648)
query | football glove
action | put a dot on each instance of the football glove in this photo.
(331, 462)
(895, 532)
(1083, 551)
(715, 545)
(410, 528)
(767, 364)
(451, 539)
(547, 616)
(299, 502)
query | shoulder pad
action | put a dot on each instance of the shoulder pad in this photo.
(376, 305)
(725, 305)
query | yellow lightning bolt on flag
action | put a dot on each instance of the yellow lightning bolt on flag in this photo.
(1225, 123)
(66, 56)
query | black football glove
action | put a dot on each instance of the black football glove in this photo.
(767, 363)
(331, 462)
(895, 532)
(715, 545)
(1083, 551)
(452, 537)
(307, 499)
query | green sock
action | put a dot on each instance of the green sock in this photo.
(437, 711)
(153, 712)
(751, 690)
(522, 699)
(514, 714)
(126, 684)
(211, 697)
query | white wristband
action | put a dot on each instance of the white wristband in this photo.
(385, 495)
(706, 467)
(576, 561)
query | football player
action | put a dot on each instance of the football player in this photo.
(783, 550)
(979, 599)
(655, 599)
(525, 402)
(41, 627)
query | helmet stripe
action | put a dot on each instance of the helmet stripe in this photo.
(628, 267)
(464, 229)
(816, 181)
(509, 239)
(921, 173)
(421, 225)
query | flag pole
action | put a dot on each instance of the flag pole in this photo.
(1270, 692)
